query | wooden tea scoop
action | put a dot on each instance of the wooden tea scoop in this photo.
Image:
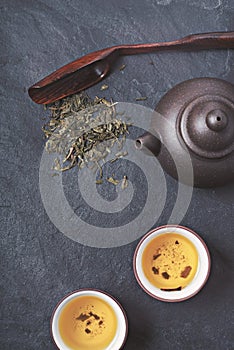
(92, 68)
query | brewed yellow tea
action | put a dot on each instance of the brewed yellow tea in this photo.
(87, 322)
(170, 261)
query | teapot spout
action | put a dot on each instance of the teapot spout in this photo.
(148, 143)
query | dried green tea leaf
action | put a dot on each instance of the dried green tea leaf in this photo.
(121, 154)
(143, 98)
(100, 171)
(56, 165)
(113, 181)
(124, 183)
(99, 182)
(118, 156)
(83, 131)
(104, 87)
(122, 67)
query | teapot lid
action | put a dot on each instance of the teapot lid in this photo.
(206, 124)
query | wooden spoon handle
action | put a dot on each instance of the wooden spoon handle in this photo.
(92, 68)
(196, 41)
(219, 40)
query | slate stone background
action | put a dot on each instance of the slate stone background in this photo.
(39, 265)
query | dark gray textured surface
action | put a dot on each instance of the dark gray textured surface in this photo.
(38, 263)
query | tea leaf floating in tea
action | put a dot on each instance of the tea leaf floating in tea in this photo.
(170, 261)
(84, 130)
(87, 322)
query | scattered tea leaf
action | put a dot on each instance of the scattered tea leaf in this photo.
(143, 98)
(124, 182)
(99, 182)
(122, 67)
(100, 171)
(113, 181)
(84, 131)
(81, 125)
(118, 156)
(56, 165)
(104, 87)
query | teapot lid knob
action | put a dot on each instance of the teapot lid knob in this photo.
(207, 126)
(216, 120)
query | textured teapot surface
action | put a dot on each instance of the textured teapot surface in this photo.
(201, 112)
(206, 125)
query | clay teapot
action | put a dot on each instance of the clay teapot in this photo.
(194, 125)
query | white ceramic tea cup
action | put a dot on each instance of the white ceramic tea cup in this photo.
(200, 278)
(122, 322)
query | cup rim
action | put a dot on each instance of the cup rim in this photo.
(142, 284)
(89, 290)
